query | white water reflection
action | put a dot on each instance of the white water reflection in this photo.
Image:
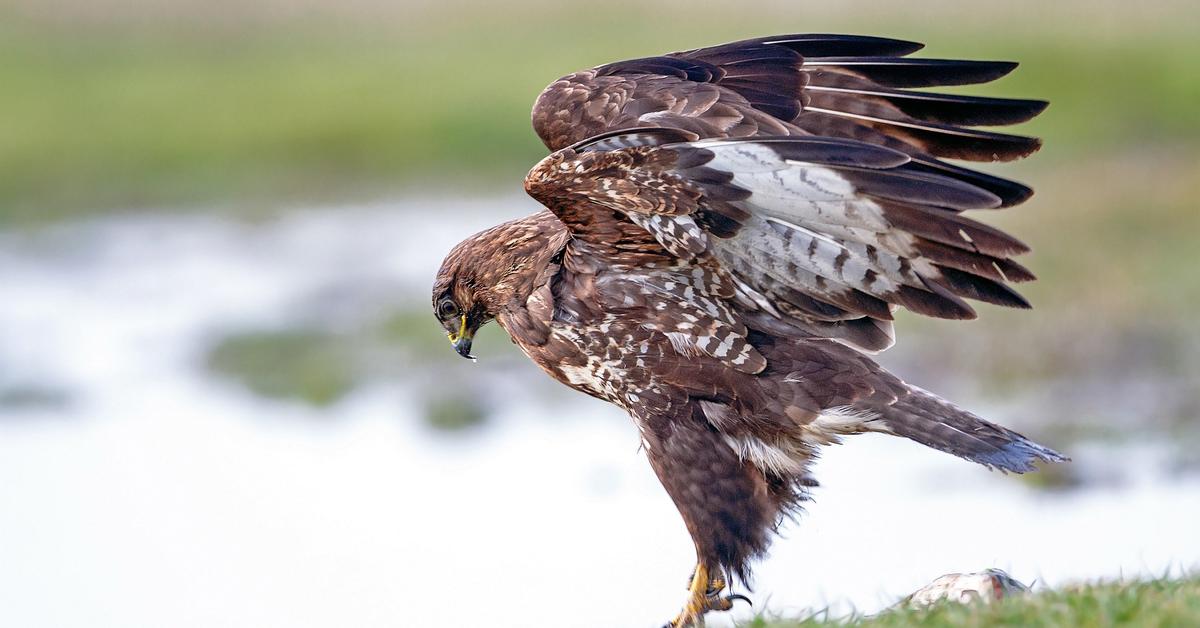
(157, 495)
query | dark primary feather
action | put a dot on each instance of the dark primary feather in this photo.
(908, 72)
(830, 45)
(912, 186)
(835, 93)
(1011, 193)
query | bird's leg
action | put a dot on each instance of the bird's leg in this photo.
(704, 594)
(692, 614)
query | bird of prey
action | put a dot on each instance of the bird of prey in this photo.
(729, 232)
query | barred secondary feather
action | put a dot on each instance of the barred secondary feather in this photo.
(728, 235)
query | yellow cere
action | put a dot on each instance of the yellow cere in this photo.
(462, 330)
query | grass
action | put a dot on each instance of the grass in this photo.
(454, 414)
(148, 113)
(1163, 602)
(308, 365)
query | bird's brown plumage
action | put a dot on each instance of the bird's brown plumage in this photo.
(729, 231)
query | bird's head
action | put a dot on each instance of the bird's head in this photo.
(490, 271)
(460, 295)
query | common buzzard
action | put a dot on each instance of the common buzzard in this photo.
(729, 233)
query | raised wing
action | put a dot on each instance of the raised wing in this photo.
(840, 86)
(825, 235)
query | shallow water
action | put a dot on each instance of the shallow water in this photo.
(150, 493)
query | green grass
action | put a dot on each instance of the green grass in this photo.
(1165, 603)
(313, 366)
(163, 114)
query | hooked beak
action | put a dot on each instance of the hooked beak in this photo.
(462, 338)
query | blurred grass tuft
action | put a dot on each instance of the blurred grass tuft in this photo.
(454, 414)
(313, 366)
(1162, 602)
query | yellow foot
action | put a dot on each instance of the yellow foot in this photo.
(704, 594)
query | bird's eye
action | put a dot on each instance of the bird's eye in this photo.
(447, 309)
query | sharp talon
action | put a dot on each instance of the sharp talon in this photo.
(724, 603)
(737, 596)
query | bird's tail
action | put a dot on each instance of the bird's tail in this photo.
(935, 422)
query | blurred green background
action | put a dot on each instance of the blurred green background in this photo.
(246, 108)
